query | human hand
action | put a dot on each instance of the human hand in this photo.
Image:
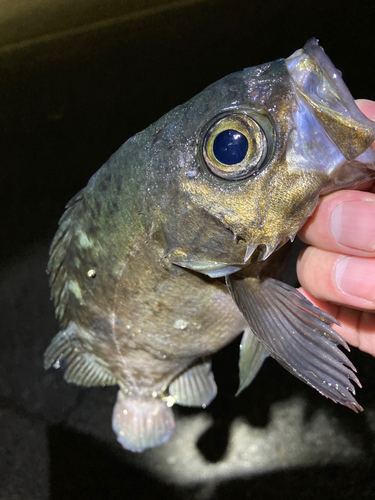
(337, 270)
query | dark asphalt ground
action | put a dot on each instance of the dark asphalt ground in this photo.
(66, 105)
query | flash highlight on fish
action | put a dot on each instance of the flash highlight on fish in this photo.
(186, 230)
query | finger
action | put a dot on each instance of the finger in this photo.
(343, 223)
(338, 278)
(345, 228)
(367, 107)
(357, 327)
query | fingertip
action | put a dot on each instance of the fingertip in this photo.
(353, 278)
(367, 107)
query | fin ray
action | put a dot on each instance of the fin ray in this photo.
(60, 258)
(194, 387)
(141, 423)
(252, 356)
(83, 368)
(298, 335)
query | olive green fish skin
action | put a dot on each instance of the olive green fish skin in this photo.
(135, 311)
(128, 263)
(151, 203)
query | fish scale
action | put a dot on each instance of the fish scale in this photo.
(176, 245)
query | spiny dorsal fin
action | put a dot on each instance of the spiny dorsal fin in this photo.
(83, 367)
(57, 265)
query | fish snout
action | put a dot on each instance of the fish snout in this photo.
(329, 126)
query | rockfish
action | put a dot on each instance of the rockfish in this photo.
(176, 245)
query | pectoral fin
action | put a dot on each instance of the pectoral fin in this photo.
(298, 335)
(252, 356)
(194, 387)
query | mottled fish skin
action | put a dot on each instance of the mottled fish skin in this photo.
(137, 265)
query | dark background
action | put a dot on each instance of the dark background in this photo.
(67, 102)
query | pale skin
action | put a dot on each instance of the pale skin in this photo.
(337, 269)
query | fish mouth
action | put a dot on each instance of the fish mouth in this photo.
(320, 87)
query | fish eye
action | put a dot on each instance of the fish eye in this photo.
(230, 147)
(234, 146)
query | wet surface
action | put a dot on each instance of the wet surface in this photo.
(66, 105)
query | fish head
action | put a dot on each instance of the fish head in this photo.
(264, 143)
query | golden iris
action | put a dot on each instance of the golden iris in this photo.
(234, 146)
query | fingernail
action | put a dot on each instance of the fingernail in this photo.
(353, 277)
(353, 225)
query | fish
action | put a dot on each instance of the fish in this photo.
(177, 244)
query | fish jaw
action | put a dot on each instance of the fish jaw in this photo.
(330, 130)
(320, 142)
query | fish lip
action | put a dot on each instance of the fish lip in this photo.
(333, 75)
(322, 93)
(306, 75)
(310, 63)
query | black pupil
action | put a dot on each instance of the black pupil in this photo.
(230, 147)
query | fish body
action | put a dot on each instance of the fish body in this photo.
(176, 244)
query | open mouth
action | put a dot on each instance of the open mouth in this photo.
(320, 85)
